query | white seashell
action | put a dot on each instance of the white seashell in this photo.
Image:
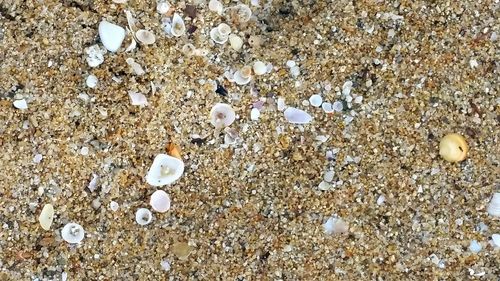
(84, 151)
(281, 104)
(46, 216)
(290, 63)
(217, 37)
(297, 116)
(188, 49)
(324, 186)
(495, 240)
(130, 20)
(163, 7)
(95, 55)
(72, 233)
(316, 100)
(137, 98)
(137, 68)
(494, 206)
(254, 114)
(145, 37)
(91, 81)
(236, 42)
(337, 106)
(346, 88)
(178, 26)
(160, 201)
(380, 200)
(120, 1)
(93, 183)
(224, 29)
(327, 107)
(254, 3)
(475, 247)
(114, 206)
(111, 35)
(222, 115)
(240, 78)
(38, 158)
(143, 216)
(216, 6)
(164, 170)
(165, 265)
(335, 226)
(20, 104)
(259, 68)
(243, 12)
(328, 176)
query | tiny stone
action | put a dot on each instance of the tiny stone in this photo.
(475, 247)
(84, 151)
(315, 100)
(328, 176)
(38, 158)
(114, 206)
(290, 63)
(337, 106)
(96, 203)
(381, 200)
(254, 114)
(21, 104)
(91, 81)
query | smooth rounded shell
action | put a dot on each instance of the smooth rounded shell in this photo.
(215, 6)
(453, 148)
(178, 26)
(145, 37)
(46, 216)
(160, 201)
(224, 29)
(222, 114)
(217, 37)
(111, 35)
(235, 41)
(143, 216)
(316, 100)
(155, 176)
(72, 233)
(259, 68)
(297, 116)
(494, 205)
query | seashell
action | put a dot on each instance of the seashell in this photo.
(254, 114)
(160, 201)
(137, 98)
(475, 247)
(222, 115)
(235, 41)
(495, 240)
(259, 68)
(137, 68)
(174, 150)
(337, 106)
(217, 37)
(95, 55)
(327, 107)
(494, 206)
(114, 206)
(120, 1)
(224, 29)
(46, 216)
(240, 78)
(93, 183)
(297, 116)
(453, 148)
(163, 7)
(165, 265)
(316, 100)
(243, 13)
(72, 233)
(145, 37)
(165, 170)
(181, 249)
(91, 81)
(20, 104)
(178, 26)
(216, 6)
(188, 49)
(130, 20)
(111, 35)
(281, 104)
(335, 226)
(143, 216)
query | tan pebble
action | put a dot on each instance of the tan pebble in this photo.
(453, 148)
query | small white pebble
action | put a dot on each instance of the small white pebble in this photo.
(327, 107)
(475, 247)
(163, 7)
(495, 240)
(295, 71)
(38, 158)
(305, 103)
(21, 104)
(337, 106)
(290, 63)
(381, 200)
(358, 99)
(91, 81)
(328, 176)
(165, 265)
(315, 100)
(254, 114)
(346, 88)
(281, 104)
(473, 63)
(84, 151)
(459, 222)
(259, 68)
(114, 206)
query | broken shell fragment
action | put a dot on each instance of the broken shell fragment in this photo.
(46, 216)
(111, 35)
(178, 26)
(137, 68)
(224, 29)
(222, 115)
(20, 104)
(335, 226)
(217, 37)
(297, 116)
(137, 98)
(216, 6)
(143, 216)
(160, 201)
(163, 7)
(235, 41)
(453, 148)
(494, 206)
(145, 37)
(243, 13)
(72, 233)
(243, 76)
(165, 170)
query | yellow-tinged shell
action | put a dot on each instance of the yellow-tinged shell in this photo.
(453, 148)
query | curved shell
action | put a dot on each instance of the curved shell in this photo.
(164, 170)
(494, 206)
(46, 216)
(145, 37)
(224, 29)
(143, 216)
(297, 116)
(222, 115)
(215, 6)
(243, 12)
(111, 35)
(178, 26)
(72, 233)
(235, 41)
(217, 37)
(259, 68)
(453, 148)
(160, 201)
